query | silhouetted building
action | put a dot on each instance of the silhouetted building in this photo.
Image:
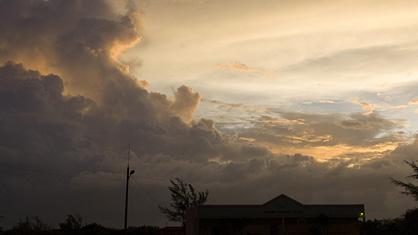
(281, 215)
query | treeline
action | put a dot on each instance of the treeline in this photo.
(404, 225)
(73, 224)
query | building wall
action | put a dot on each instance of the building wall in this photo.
(274, 227)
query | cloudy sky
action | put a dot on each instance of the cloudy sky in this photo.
(253, 60)
(249, 99)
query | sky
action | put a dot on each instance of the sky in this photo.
(248, 99)
(327, 57)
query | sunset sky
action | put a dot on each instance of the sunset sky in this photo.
(256, 60)
(246, 98)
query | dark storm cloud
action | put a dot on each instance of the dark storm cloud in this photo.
(258, 180)
(77, 39)
(59, 152)
(53, 144)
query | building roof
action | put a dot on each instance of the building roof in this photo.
(281, 206)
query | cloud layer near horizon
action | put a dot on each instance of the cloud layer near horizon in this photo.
(63, 137)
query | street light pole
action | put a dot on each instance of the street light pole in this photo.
(129, 172)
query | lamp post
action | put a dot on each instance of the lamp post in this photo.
(129, 173)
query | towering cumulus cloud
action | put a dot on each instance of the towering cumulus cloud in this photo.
(69, 109)
(64, 137)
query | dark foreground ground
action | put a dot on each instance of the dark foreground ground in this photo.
(404, 225)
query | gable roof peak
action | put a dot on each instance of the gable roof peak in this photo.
(282, 199)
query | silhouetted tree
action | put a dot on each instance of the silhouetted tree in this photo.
(1, 228)
(408, 187)
(410, 220)
(95, 229)
(183, 195)
(31, 225)
(72, 223)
